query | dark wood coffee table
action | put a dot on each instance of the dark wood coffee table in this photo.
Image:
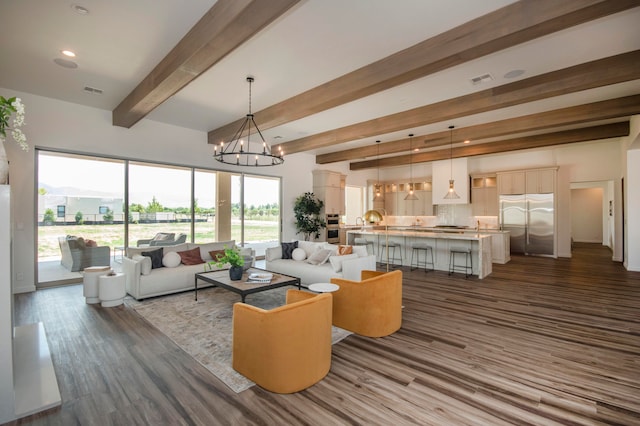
(242, 287)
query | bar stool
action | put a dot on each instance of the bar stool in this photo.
(364, 242)
(418, 247)
(467, 268)
(391, 245)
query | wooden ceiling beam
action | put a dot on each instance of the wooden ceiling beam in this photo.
(511, 25)
(227, 25)
(605, 131)
(602, 72)
(603, 110)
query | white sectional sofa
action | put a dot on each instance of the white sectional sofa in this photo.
(348, 267)
(143, 282)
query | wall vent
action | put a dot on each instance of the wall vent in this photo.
(92, 90)
(481, 79)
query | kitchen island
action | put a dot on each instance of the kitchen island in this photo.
(441, 242)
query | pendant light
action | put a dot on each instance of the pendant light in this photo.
(411, 196)
(377, 186)
(252, 153)
(451, 193)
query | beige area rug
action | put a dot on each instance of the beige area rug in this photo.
(203, 328)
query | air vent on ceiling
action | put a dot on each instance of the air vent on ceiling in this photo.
(485, 78)
(92, 90)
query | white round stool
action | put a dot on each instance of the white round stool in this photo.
(111, 289)
(90, 282)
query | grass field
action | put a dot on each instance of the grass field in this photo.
(113, 235)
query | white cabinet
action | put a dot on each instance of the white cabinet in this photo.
(329, 187)
(541, 181)
(500, 247)
(511, 183)
(391, 199)
(484, 195)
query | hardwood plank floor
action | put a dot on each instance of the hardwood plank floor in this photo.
(540, 341)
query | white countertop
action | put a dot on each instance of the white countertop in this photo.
(466, 236)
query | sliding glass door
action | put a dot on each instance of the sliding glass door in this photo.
(80, 207)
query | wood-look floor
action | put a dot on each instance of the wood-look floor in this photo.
(540, 341)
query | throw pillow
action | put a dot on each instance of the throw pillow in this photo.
(332, 247)
(309, 247)
(287, 249)
(90, 243)
(319, 257)
(336, 261)
(215, 253)
(156, 257)
(145, 263)
(299, 254)
(342, 250)
(171, 259)
(191, 257)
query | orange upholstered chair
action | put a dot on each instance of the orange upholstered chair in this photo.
(286, 349)
(371, 307)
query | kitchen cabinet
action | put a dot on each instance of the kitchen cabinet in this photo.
(391, 199)
(484, 195)
(511, 183)
(541, 181)
(329, 187)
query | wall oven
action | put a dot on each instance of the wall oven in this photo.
(333, 228)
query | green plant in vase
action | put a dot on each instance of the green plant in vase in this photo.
(232, 257)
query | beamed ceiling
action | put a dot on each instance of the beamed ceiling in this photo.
(332, 77)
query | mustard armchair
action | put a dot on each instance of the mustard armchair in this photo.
(286, 349)
(371, 307)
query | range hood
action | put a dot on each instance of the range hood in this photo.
(442, 172)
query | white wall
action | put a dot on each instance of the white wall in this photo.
(52, 124)
(586, 215)
(632, 197)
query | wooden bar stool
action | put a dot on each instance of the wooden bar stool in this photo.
(467, 267)
(418, 247)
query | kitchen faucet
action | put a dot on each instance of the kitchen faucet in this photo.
(362, 222)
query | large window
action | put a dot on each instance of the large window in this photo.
(159, 202)
(84, 196)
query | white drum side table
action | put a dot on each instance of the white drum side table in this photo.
(90, 282)
(324, 287)
(111, 289)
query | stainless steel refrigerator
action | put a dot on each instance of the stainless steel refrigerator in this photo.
(529, 219)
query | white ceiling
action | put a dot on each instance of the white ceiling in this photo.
(120, 41)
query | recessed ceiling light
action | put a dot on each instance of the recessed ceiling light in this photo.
(65, 63)
(514, 73)
(68, 53)
(416, 149)
(467, 141)
(79, 9)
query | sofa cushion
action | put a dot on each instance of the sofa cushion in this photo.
(206, 248)
(191, 257)
(310, 247)
(336, 261)
(361, 251)
(299, 254)
(273, 253)
(145, 263)
(332, 247)
(164, 236)
(287, 249)
(171, 259)
(156, 257)
(319, 257)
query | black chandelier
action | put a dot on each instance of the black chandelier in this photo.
(239, 153)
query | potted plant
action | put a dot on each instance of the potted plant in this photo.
(307, 210)
(232, 257)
